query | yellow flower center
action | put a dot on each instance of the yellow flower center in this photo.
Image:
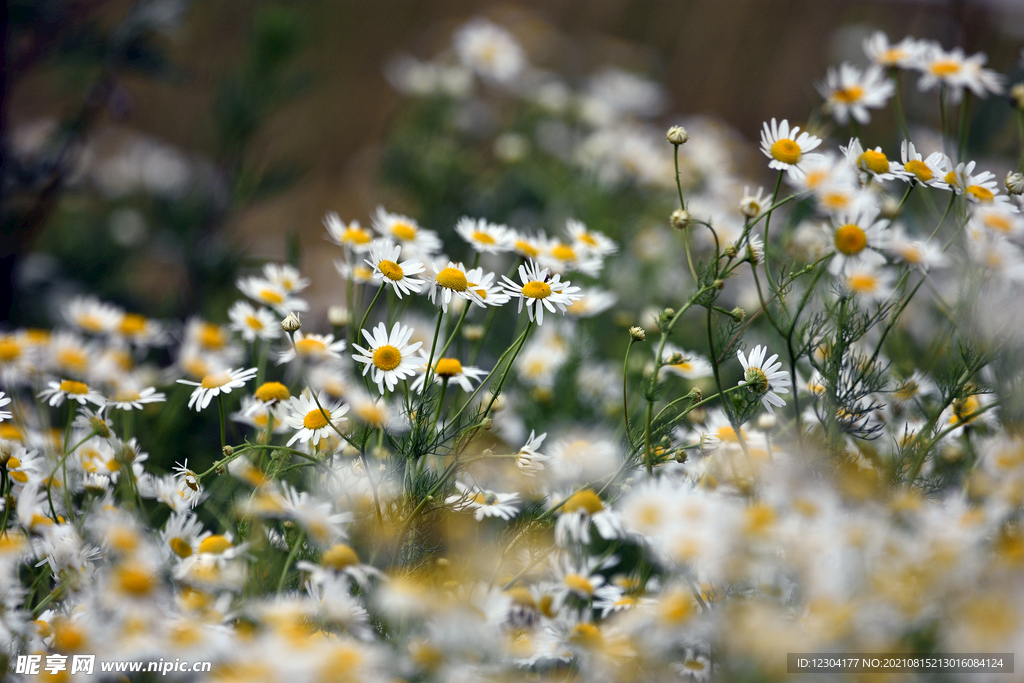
(998, 222)
(786, 151)
(310, 347)
(269, 391)
(390, 270)
(526, 249)
(587, 239)
(862, 283)
(478, 289)
(315, 419)
(563, 252)
(403, 231)
(126, 395)
(387, 357)
(693, 665)
(950, 179)
(338, 557)
(74, 359)
(90, 323)
(135, 581)
(982, 194)
(371, 414)
(891, 56)
(70, 387)
(452, 278)
(944, 67)
(214, 381)
(215, 544)
(850, 239)
(587, 635)
(848, 95)
(271, 297)
(132, 324)
(911, 254)
(873, 161)
(356, 236)
(835, 200)
(920, 170)
(211, 336)
(253, 322)
(482, 237)
(816, 178)
(9, 432)
(728, 434)
(579, 584)
(9, 350)
(448, 367)
(180, 547)
(537, 290)
(585, 500)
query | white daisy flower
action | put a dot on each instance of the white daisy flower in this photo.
(589, 240)
(489, 292)
(529, 460)
(787, 150)
(353, 236)
(956, 71)
(592, 301)
(765, 378)
(406, 232)
(561, 257)
(271, 294)
(919, 254)
(258, 414)
(182, 535)
(390, 357)
(688, 365)
(130, 397)
(872, 162)
(451, 281)
(312, 424)
(285, 276)
(187, 484)
(483, 503)
(5, 400)
(539, 291)
(485, 237)
(857, 236)
(93, 316)
(528, 246)
(376, 412)
(978, 188)
(387, 268)
(868, 283)
(216, 383)
(322, 525)
(1001, 218)
(450, 370)
(489, 50)
(312, 348)
(850, 92)
(925, 170)
(902, 55)
(252, 322)
(359, 273)
(69, 389)
(751, 205)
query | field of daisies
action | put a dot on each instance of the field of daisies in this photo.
(604, 407)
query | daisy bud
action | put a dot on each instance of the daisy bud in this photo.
(637, 333)
(677, 135)
(487, 424)
(228, 450)
(338, 316)
(665, 317)
(676, 359)
(291, 323)
(1015, 183)
(719, 285)
(99, 427)
(1017, 96)
(680, 455)
(680, 219)
(738, 314)
(731, 251)
(473, 332)
(696, 394)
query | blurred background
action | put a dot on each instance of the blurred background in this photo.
(154, 148)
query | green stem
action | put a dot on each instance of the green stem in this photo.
(223, 426)
(288, 562)
(362, 323)
(625, 402)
